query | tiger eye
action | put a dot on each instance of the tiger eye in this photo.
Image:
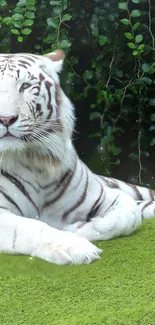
(24, 86)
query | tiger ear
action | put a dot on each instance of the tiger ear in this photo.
(57, 57)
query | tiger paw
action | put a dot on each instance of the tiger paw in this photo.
(67, 248)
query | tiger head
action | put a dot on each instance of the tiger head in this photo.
(35, 114)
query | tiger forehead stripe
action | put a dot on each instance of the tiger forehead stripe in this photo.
(41, 77)
(29, 58)
(24, 62)
(48, 85)
(31, 76)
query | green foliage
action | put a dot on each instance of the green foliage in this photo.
(110, 61)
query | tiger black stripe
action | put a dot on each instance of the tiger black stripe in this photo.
(152, 194)
(80, 178)
(24, 62)
(56, 183)
(112, 204)
(146, 205)
(96, 206)
(8, 198)
(37, 88)
(66, 181)
(110, 183)
(79, 202)
(19, 185)
(4, 208)
(137, 192)
(27, 57)
(48, 85)
(27, 182)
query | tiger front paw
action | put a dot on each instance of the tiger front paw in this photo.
(66, 248)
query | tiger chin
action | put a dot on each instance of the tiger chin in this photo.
(51, 205)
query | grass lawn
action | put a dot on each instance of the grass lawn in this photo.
(119, 289)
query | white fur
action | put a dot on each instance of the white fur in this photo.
(53, 216)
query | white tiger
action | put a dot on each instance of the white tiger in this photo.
(51, 204)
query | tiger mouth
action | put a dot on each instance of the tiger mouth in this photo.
(8, 135)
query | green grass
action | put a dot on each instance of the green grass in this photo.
(119, 289)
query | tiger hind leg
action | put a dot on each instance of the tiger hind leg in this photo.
(147, 209)
(118, 217)
(105, 228)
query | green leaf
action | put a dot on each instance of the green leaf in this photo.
(92, 105)
(52, 23)
(128, 35)
(19, 10)
(135, 13)
(65, 4)
(37, 46)
(139, 38)
(103, 39)
(145, 67)
(147, 80)
(31, 2)
(73, 60)
(136, 25)
(3, 3)
(152, 102)
(21, 3)
(141, 47)
(131, 45)
(26, 31)
(135, 53)
(7, 20)
(57, 10)
(152, 117)
(66, 17)
(55, 3)
(107, 139)
(15, 31)
(125, 21)
(30, 8)
(152, 143)
(49, 39)
(30, 14)
(28, 22)
(88, 74)
(122, 5)
(17, 23)
(65, 44)
(20, 39)
(117, 162)
(116, 150)
(133, 156)
(94, 135)
(17, 16)
(94, 116)
(152, 128)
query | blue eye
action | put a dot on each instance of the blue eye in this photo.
(24, 86)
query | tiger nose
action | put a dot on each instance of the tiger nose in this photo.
(8, 120)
